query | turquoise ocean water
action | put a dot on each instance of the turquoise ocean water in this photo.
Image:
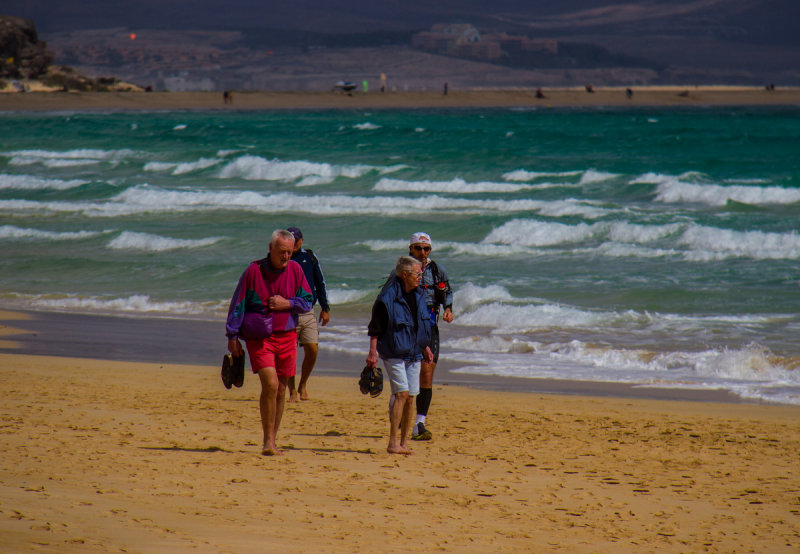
(649, 246)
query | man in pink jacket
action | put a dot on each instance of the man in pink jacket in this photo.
(263, 311)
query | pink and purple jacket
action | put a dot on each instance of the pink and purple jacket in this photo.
(249, 316)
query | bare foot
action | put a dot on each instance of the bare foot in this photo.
(399, 450)
(303, 394)
(270, 451)
(293, 396)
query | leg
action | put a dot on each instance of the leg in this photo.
(426, 389)
(398, 424)
(405, 423)
(308, 337)
(426, 374)
(268, 405)
(280, 402)
(292, 390)
(309, 359)
(419, 432)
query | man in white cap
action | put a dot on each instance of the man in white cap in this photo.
(438, 295)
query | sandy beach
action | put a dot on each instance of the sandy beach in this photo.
(154, 457)
(564, 97)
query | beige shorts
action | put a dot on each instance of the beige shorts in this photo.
(307, 330)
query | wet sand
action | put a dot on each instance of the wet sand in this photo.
(562, 97)
(200, 342)
(153, 457)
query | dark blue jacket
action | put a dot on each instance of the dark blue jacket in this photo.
(406, 334)
(313, 272)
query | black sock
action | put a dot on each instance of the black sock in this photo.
(424, 401)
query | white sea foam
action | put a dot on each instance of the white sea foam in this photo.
(494, 306)
(138, 303)
(159, 166)
(148, 199)
(502, 317)
(750, 371)
(366, 126)
(652, 178)
(83, 153)
(146, 242)
(471, 296)
(84, 156)
(346, 295)
(529, 232)
(456, 248)
(180, 127)
(69, 163)
(180, 168)
(674, 191)
(456, 185)
(525, 175)
(712, 244)
(593, 176)
(29, 182)
(13, 232)
(314, 180)
(257, 168)
(392, 168)
(691, 242)
(396, 245)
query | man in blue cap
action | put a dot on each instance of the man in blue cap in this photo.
(307, 330)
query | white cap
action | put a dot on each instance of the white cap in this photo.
(420, 238)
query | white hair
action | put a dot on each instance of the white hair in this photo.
(280, 234)
(405, 263)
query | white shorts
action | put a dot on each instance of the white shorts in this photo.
(403, 375)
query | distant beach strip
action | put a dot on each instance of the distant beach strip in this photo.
(551, 98)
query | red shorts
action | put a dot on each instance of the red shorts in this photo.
(278, 350)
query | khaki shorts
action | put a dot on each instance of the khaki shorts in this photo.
(307, 330)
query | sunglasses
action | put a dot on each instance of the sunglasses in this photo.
(422, 248)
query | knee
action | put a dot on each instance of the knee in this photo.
(311, 348)
(269, 380)
(402, 397)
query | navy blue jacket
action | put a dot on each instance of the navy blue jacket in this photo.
(313, 272)
(403, 335)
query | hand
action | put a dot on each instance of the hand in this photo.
(372, 358)
(235, 347)
(324, 318)
(278, 303)
(448, 315)
(428, 355)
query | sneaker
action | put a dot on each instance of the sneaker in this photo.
(420, 433)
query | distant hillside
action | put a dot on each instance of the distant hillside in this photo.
(308, 43)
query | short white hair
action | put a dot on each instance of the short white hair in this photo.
(280, 234)
(405, 263)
